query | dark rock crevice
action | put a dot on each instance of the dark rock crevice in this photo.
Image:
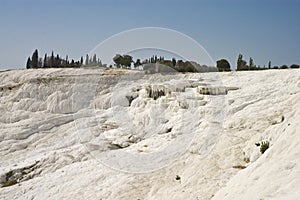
(18, 175)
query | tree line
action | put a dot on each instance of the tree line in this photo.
(242, 65)
(56, 61)
(158, 63)
(161, 64)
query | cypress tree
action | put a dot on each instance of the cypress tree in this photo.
(81, 60)
(34, 59)
(28, 63)
(72, 63)
(67, 61)
(251, 64)
(94, 61)
(57, 61)
(51, 64)
(87, 60)
(45, 61)
(241, 64)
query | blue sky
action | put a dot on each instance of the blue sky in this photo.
(263, 29)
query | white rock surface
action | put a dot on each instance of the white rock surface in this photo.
(57, 126)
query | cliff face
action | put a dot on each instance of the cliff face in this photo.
(117, 134)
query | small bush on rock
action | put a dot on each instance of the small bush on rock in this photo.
(264, 146)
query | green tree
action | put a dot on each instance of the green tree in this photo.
(118, 60)
(127, 60)
(294, 66)
(72, 63)
(81, 60)
(174, 62)
(137, 63)
(251, 64)
(241, 64)
(51, 63)
(57, 61)
(45, 61)
(87, 60)
(94, 61)
(28, 63)
(99, 63)
(269, 65)
(223, 65)
(35, 59)
(284, 67)
(40, 62)
(67, 61)
(152, 60)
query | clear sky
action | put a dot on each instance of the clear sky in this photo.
(263, 29)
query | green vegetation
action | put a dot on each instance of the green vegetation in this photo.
(264, 146)
(243, 66)
(246, 159)
(239, 166)
(58, 62)
(294, 66)
(284, 67)
(155, 64)
(223, 65)
(122, 61)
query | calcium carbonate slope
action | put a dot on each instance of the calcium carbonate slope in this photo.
(61, 128)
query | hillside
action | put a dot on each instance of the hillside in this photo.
(119, 134)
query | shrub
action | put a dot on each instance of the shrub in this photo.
(239, 166)
(264, 146)
(283, 67)
(247, 159)
(294, 66)
(177, 178)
